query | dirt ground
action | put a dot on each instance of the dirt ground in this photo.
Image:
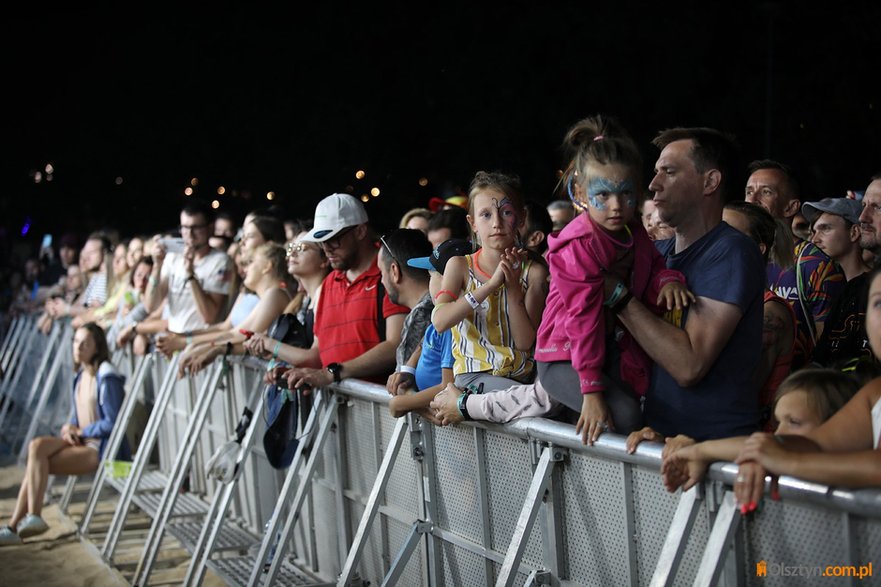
(59, 558)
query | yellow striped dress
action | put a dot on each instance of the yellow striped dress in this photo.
(484, 342)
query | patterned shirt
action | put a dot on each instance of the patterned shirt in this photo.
(414, 329)
(813, 287)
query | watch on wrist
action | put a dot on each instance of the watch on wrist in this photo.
(336, 370)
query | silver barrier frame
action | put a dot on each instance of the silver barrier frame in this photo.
(716, 553)
(704, 539)
(46, 393)
(15, 381)
(179, 470)
(139, 463)
(115, 441)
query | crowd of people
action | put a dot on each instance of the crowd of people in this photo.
(684, 310)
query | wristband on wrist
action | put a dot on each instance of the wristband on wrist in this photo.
(275, 350)
(407, 369)
(616, 295)
(622, 303)
(189, 338)
(462, 404)
(152, 281)
(448, 292)
(472, 301)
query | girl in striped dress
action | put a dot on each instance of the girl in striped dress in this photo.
(493, 299)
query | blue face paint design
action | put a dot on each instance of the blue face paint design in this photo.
(600, 188)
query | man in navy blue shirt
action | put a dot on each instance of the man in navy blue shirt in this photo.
(702, 384)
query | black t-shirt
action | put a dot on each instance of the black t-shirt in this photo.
(844, 335)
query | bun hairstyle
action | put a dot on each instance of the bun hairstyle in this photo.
(276, 255)
(598, 139)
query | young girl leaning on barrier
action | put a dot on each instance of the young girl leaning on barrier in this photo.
(493, 299)
(804, 400)
(96, 398)
(586, 360)
(843, 451)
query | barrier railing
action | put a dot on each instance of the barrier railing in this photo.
(372, 498)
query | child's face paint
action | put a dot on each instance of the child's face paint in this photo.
(611, 195)
(601, 188)
(495, 219)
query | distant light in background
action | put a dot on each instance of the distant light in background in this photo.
(188, 192)
(374, 192)
(221, 190)
(270, 196)
(365, 198)
(49, 169)
(360, 174)
(350, 189)
(118, 181)
(194, 182)
(215, 204)
(26, 226)
(38, 176)
(559, 173)
(423, 181)
(49, 177)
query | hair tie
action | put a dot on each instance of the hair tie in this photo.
(598, 138)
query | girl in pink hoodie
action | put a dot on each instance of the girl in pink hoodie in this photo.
(586, 360)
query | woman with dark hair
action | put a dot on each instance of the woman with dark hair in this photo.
(96, 398)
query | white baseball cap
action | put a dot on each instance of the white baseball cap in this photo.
(333, 214)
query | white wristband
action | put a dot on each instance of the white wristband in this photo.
(472, 301)
(407, 369)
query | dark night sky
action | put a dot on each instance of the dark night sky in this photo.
(295, 103)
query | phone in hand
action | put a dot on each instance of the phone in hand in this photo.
(47, 241)
(173, 245)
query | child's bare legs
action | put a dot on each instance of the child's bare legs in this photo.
(49, 455)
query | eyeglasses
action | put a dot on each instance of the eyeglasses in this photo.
(294, 249)
(192, 227)
(389, 249)
(334, 243)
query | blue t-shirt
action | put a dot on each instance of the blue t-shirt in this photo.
(437, 354)
(723, 265)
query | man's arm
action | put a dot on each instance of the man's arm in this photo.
(208, 303)
(381, 358)
(686, 354)
(157, 287)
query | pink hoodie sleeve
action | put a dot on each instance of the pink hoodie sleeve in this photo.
(579, 282)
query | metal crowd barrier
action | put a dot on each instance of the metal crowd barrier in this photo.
(36, 385)
(369, 498)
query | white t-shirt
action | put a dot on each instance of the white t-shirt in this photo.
(213, 273)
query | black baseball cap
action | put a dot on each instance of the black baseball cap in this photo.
(437, 261)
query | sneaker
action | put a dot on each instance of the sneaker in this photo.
(8, 537)
(31, 525)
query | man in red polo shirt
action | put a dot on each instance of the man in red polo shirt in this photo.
(357, 327)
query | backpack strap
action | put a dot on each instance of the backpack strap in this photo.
(380, 319)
